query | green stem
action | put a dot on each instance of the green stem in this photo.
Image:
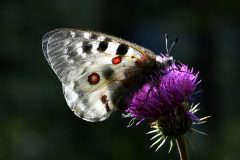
(182, 148)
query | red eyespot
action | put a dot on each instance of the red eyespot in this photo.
(104, 99)
(93, 78)
(117, 60)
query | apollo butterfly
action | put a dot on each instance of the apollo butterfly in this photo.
(99, 72)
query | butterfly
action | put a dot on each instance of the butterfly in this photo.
(99, 72)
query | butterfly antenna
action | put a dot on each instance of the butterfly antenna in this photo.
(173, 44)
(166, 39)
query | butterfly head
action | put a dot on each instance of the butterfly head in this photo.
(164, 61)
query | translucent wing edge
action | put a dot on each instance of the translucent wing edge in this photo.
(45, 42)
(75, 105)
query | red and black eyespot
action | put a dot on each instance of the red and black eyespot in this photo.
(104, 99)
(93, 78)
(117, 60)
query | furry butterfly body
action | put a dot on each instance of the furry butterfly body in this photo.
(99, 72)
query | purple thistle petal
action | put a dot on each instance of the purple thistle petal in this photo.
(160, 99)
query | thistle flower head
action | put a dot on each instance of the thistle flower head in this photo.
(165, 103)
(157, 99)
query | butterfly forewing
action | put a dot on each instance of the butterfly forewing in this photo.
(96, 70)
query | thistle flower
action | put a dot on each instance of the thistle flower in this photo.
(166, 104)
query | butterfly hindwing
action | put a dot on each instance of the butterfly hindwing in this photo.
(93, 68)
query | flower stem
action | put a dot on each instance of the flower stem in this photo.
(182, 148)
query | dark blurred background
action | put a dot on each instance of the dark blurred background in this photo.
(35, 121)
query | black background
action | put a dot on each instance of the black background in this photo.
(35, 121)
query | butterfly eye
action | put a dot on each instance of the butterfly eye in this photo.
(169, 62)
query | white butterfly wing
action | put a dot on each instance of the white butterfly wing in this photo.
(93, 68)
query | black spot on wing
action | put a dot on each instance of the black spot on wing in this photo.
(71, 51)
(107, 72)
(122, 49)
(102, 46)
(86, 47)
